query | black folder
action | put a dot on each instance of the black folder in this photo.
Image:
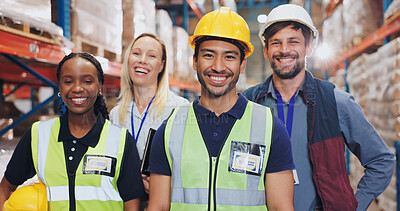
(146, 155)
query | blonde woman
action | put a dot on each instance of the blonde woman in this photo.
(145, 99)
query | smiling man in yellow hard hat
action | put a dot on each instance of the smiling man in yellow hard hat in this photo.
(320, 119)
(222, 152)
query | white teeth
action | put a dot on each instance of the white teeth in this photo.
(141, 70)
(286, 60)
(79, 100)
(216, 78)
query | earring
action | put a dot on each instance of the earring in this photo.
(59, 94)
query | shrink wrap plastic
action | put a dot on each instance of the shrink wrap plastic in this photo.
(183, 56)
(99, 22)
(36, 13)
(392, 9)
(352, 21)
(333, 31)
(165, 32)
(361, 18)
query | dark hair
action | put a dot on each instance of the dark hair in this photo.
(240, 45)
(99, 105)
(274, 28)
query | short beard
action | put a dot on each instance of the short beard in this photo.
(293, 73)
(231, 85)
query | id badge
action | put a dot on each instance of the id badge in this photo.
(246, 158)
(99, 164)
(296, 177)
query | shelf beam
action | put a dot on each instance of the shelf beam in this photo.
(331, 7)
(23, 46)
(380, 34)
(195, 86)
(28, 69)
(195, 9)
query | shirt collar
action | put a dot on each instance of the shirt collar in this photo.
(90, 139)
(236, 111)
(271, 89)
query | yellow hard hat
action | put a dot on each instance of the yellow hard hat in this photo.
(226, 24)
(28, 198)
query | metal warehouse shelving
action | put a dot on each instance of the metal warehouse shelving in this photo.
(30, 60)
(379, 37)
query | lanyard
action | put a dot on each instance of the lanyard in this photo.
(281, 114)
(141, 123)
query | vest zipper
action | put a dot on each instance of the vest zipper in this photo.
(71, 188)
(211, 167)
(216, 166)
(212, 186)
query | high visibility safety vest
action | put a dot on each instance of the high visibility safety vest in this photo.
(234, 180)
(97, 174)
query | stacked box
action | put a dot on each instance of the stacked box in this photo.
(165, 32)
(145, 17)
(35, 13)
(181, 55)
(387, 200)
(374, 81)
(338, 79)
(97, 28)
(360, 18)
(332, 30)
(325, 4)
(28, 8)
(356, 78)
(139, 16)
(393, 8)
(128, 29)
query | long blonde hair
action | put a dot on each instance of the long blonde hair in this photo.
(126, 92)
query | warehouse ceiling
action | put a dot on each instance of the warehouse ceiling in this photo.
(249, 9)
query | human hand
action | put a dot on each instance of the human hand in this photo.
(146, 183)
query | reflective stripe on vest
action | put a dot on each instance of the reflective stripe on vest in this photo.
(49, 160)
(183, 137)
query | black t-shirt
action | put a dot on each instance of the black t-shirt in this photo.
(130, 185)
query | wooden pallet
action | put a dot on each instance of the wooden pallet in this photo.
(24, 29)
(392, 17)
(85, 45)
(357, 40)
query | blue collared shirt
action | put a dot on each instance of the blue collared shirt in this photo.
(360, 137)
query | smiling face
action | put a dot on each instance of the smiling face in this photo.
(287, 52)
(218, 67)
(79, 85)
(145, 62)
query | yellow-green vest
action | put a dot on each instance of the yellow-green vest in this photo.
(92, 191)
(202, 182)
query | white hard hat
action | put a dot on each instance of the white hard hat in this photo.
(289, 12)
